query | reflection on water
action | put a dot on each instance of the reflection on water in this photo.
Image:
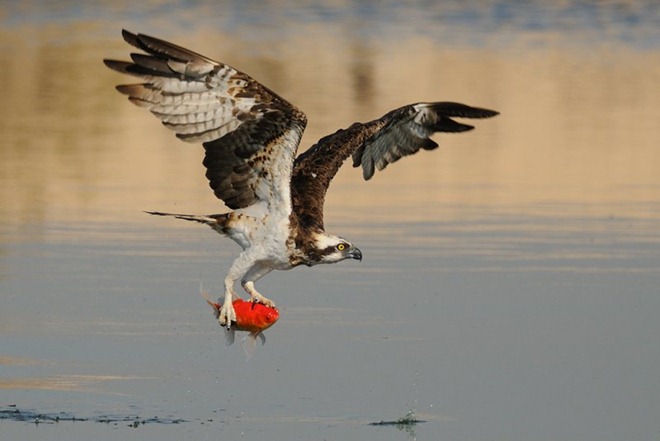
(61, 383)
(512, 274)
(577, 128)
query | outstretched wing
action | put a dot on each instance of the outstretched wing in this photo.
(373, 145)
(250, 134)
(408, 129)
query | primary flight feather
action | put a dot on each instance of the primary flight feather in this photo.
(250, 137)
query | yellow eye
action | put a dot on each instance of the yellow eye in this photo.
(341, 247)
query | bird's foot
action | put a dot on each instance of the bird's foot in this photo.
(227, 315)
(258, 298)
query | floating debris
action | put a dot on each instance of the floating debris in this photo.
(406, 423)
(401, 423)
(12, 413)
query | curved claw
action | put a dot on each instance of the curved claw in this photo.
(227, 315)
(258, 298)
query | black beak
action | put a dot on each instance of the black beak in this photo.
(355, 254)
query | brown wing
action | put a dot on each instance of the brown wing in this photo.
(249, 133)
(408, 129)
(375, 144)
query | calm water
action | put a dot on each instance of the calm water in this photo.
(509, 289)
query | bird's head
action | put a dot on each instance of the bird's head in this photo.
(332, 249)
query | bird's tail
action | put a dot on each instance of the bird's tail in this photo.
(216, 221)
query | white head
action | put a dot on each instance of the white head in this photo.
(332, 249)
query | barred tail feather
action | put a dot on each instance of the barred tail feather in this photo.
(215, 221)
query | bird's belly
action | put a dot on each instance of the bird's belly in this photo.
(266, 237)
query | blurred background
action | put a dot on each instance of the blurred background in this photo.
(509, 287)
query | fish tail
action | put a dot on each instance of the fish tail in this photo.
(214, 304)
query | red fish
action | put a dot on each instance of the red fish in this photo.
(250, 317)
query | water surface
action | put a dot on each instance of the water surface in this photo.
(510, 283)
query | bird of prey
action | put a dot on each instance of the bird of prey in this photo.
(250, 137)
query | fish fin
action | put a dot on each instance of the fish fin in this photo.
(214, 304)
(230, 336)
(250, 343)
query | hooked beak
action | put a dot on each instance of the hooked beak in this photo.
(356, 254)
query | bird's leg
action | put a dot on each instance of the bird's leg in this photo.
(255, 273)
(255, 296)
(244, 268)
(227, 314)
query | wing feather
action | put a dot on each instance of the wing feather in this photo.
(408, 129)
(373, 145)
(249, 133)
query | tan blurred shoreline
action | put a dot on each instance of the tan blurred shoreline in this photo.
(576, 129)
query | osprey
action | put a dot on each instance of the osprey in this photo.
(250, 137)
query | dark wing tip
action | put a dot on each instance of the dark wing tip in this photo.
(130, 38)
(448, 125)
(462, 110)
(119, 66)
(484, 113)
(162, 49)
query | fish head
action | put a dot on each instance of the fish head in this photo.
(264, 316)
(270, 316)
